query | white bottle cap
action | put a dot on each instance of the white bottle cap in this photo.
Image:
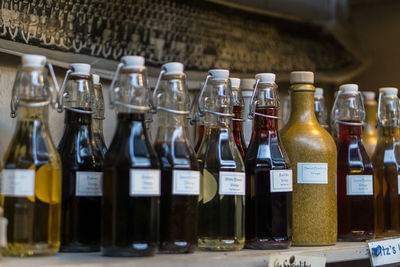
(96, 79)
(33, 61)
(133, 62)
(319, 92)
(388, 91)
(235, 82)
(80, 68)
(301, 77)
(349, 88)
(219, 74)
(247, 84)
(266, 77)
(173, 68)
(368, 95)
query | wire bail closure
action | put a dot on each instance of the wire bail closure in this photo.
(252, 110)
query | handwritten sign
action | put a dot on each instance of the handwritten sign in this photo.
(384, 251)
(296, 261)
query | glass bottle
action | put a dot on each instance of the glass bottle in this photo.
(221, 206)
(237, 120)
(269, 183)
(81, 164)
(180, 176)
(355, 186)
(31, 176)
(320, 109)
(312, 154)
(131, 185)
(98, 116)
(370, 132)
(198, 122)
(386, 162)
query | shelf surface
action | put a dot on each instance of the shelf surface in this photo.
(339, 252)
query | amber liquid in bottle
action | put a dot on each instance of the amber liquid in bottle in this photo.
(355, 212)
(268, 214)
(238, 130)
(130, 223)
(34, 221)
(81, 214)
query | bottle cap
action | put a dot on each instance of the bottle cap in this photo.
(301, 77)
(80, 68)
(266, 77)
(173, 68)
(388, 91)
(349, 88)
(368, 95)
(219, 73)
(33, 61)
(247, 84)
(96, 79)
(319, 92)
(133, 62)
(235, 82)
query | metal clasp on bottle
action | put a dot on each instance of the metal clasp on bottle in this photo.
(252, 109)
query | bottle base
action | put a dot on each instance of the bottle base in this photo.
(220, 244)
(176, 247)
(28, 250)
(135, 250)
(356, 236)
(79, 247)
(267, 243)
(389, 233)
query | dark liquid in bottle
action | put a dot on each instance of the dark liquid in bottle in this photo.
(268, 214)
(81, 215)
(100, 145)
(178, 213)
(199, 137)
(238, 130)
(130, 223)
(355, 212)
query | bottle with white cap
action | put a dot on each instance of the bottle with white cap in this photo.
(386, 162)
(320, 108)
(98, 116)
(131, 184)
(82, 164)
(268, 175)
(247, 86)
(355, 173)
(180, 175)
(221, 206)
(237, 120)
(31, 174)
(370, 132)
(312, 154)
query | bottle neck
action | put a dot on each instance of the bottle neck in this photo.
(237, 124)
(33, 114)
(389, 132)
(262, 123)
(171, 127)
(370, 115)
(302, 104)
(77, 118)
(349, 131)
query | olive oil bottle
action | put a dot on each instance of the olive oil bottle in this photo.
(31, 175)
(82, 164)
(221, 207)
(98, 116)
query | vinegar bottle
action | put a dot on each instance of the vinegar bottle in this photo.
(82, 164)
(312, 154)
(355, 175)
(180, 176)
(370, 133)
(31, 177)
(237, 120)
(221, 207)
(131, 186)
(320, 108)
(98, 116)
(386, 162)
(269, 183)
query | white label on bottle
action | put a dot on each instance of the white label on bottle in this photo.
(232, 183)
(144, 182)
(89, 184)
(359, 185)
(186, 182)
(18, 183)
(281, 180)
(312, 173)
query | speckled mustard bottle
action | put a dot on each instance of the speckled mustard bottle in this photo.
(312, 152)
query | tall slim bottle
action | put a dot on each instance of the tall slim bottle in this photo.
(237, 120)
(221, 207)
(370, 133)
(98, 116)
(312, 154)
(131, 185)
(320, 108)
(31, 176)
(82, 164)
(386, 162)
(269, 183)
(180, 176)
(355, 175)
